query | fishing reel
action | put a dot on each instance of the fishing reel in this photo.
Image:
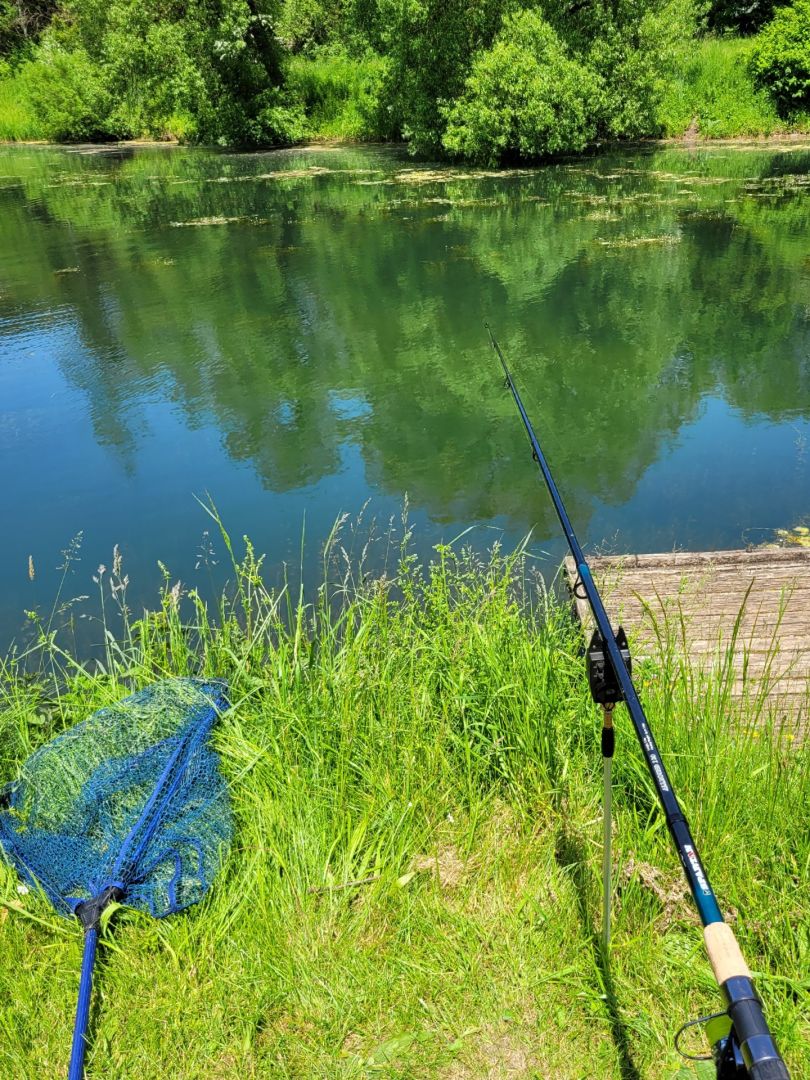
(726, 1053)
(605, 689)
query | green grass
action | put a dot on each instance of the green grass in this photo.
(17, 121)
(427, 732)
(716, 92)
(340, 95)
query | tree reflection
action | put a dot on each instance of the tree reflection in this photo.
(300, 313)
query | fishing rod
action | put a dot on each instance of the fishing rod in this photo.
(746, 1048)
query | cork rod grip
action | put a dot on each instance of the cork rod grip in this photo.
(724, 953)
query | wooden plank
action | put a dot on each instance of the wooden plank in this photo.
(765, 556)
(765, 593)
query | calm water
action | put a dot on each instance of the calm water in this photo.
(297, 333)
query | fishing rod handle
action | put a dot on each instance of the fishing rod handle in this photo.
(757, 1045)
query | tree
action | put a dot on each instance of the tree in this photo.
(524, 96)
(430, 45)
(21, 23)
(216, 64)
(781, 60)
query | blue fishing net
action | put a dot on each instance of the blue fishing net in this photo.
(130, 800)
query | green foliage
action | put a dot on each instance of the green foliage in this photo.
(553, 86)
(17, 120)
(341, 94)
(602, 76)
(635, 53)
(149, 68)
(304, 24)
(127, 68)
(485, 79)
(310, 26)
(633, 46)
(714, 94)
(430, 45)
(69, 96)
(524, 96)
(241, 63)
(781, 59)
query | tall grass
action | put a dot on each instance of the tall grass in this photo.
(715, 94)
(414, 765)
(17, 120)
(340, 94)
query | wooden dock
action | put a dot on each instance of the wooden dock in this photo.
(754, 603)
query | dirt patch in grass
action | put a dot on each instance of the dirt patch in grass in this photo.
(671, 891)
(502, 1053)
(448, 866)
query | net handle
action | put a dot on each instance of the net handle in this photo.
(77, 1052)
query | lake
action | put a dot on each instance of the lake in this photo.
(298, 335)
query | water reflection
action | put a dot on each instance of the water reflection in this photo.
(304, 329)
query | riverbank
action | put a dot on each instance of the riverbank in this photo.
(790, 140)
(414, 767)
(712, 97)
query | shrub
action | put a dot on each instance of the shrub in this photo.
(304, 24)
(781, 60)
(148, 67)
(635, 53)
(69, 98)
(429, 47)
(524, 96)
(209, 69)
(265, 117)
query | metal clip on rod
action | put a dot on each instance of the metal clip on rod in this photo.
(750, 1028)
